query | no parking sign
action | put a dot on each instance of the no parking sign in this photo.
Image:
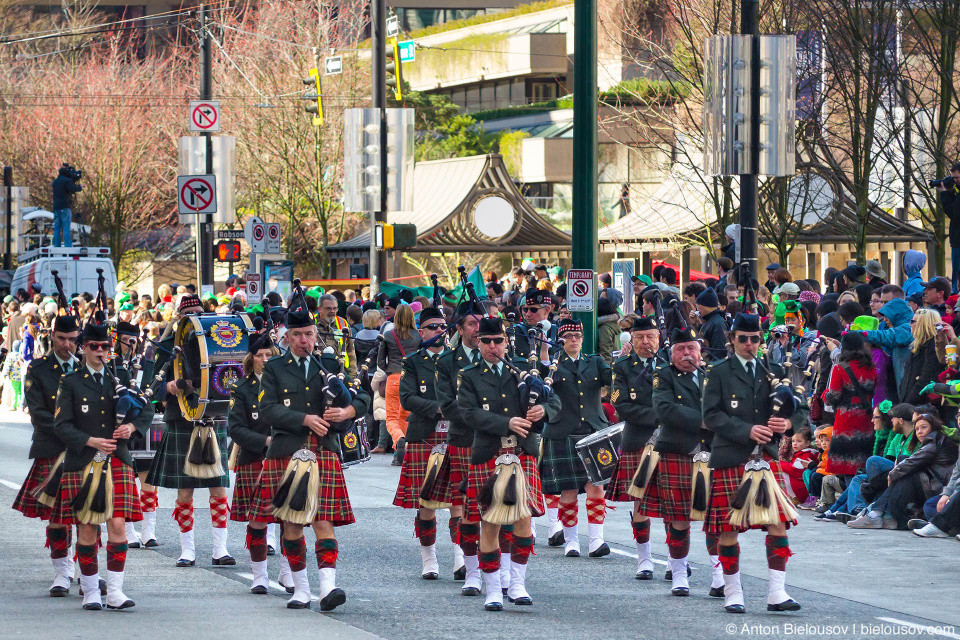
(580, 289)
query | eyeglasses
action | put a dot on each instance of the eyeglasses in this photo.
(492, 340)
(99, 346)
(746, 339)
(572, 335)
(435, 327)
(531, 309)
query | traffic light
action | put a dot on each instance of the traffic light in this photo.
(316, 96)
(396, 236)
(394, 67)
(227, 251)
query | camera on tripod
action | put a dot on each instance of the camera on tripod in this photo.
(71, 172)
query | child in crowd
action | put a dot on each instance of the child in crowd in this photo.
(813, 477)
(801, 455)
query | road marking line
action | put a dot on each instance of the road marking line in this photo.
(924, 627)
(12, 485)
(634, 556)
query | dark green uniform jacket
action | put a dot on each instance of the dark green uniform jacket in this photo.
(632, 397)
(86, 409)
(246, 423)
(418, 394)
(488, 401)
(287, 398)
(578, 383)
(448, 366)
(40, 392)
(677, 401)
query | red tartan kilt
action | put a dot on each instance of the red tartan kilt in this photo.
(723, 486)
(668, 497)
(334, 505)
(459, 471)
(622, 476)
(126, 499)
(480, 472)
(25, 502)
(415, 457)
(245, 491)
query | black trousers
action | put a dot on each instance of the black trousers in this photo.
(903, 492)
(948, 520)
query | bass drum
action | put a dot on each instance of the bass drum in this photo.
(211, 358)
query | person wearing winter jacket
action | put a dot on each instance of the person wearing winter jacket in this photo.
(922, 366)
(608, 329)
(913, 263)
(896, 339)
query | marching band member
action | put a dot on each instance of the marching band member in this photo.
(250, 431)
(464, 532)
(293, 404)
(632, 397)
(426, 429)
(536, 309)
(579, 379)
(677, 400)
(334, 332)
(505, 447)
(40, 393)
(737, 408)
(96, 458)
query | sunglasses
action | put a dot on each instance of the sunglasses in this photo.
(531, 309)
(746, 339)
(492, 340)
(99, 346)
(435, 327)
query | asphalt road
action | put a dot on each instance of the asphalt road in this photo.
(852, 584)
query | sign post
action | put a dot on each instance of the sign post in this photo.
(580, 290)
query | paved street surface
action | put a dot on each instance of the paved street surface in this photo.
(850, 583)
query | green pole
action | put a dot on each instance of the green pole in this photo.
(585, 152)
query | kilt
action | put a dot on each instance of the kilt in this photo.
(334, 505)
(449, 490)
(245, 491)
(480, 472)
(723, 486)
(668, 495)
(415, 457)
(126, 499)
(561, 469)
(167, 467)
(25, 503)
(623, 476)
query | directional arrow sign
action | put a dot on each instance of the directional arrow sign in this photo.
(197, 194)
(333, 65)
(205, 115)
(393, 26)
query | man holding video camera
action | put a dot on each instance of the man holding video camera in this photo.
(949, 189)
(64, 186)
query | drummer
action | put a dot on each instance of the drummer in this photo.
(578, 381)
(167, 467)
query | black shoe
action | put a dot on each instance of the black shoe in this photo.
(460, 574)
(716, 592)
(294, 604)
(646, 574)
(786, 605)
(259, 590)
(503, 590)
(916, 523)
(493, 606)
(573, 553)
(524, 601)
(271, 551)
(602, 550)
(58, 592)
(152, 542)
(127, 604)
(430, 575)
(735, 608)
(183, 562)
(556, 540)
(469, 591)
(225, 561)
(289, 589)
(668, 576)
(680, 591)
(132, 545)
(333, 600)
(844, 517)
(93, 606)
(103, 587)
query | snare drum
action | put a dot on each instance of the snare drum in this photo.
(143, 447)
(354, 448)
(600, 453)
(213, 348)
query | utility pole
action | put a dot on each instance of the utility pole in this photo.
(749, 182)
(205, 221)
(585, 224)
(8, 213)
(378, 78)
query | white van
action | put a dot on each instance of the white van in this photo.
(76, 267)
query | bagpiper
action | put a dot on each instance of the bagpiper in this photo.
(98, 484)
(578, 381)
(427, 430)
(167, 468)
(302, 471)
(677, 388)
(464, 533)
(250, 433)
(503, 485)
(47, 449)
(737, 409)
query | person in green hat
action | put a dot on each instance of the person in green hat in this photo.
(789, 342)
(126, 312)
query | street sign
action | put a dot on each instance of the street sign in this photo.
(333, 65)
(580, 289)
(273, 238)
(197, 194)
(408, 50)
(255, 233)
(254, 288)
(229, 234)
(393, 26)
(227, 251)
(205, 115)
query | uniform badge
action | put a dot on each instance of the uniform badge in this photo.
(423, 388)
(616, 395)
(633, 395)
(260, 397)
(486, 407)
(734, 404)
(656, 381)
(286, 402)
(255, 415)
(27, 385)
(84, 408)
(233, 401)
(56, 412)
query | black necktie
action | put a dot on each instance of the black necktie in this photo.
(99, 378)
(476, 356)
(750, 369)
(66, 367)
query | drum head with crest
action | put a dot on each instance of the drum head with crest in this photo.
(213, 348)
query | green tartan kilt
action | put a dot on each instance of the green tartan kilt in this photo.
(561, 469)
(167, 467)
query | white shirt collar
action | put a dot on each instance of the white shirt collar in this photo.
(744, 361)
(468, 351)
(63, 363)
(93, 371)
